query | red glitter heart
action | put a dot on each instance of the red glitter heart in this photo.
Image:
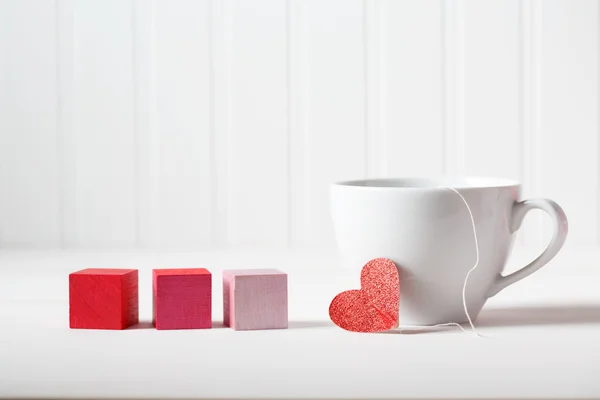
(373, 308)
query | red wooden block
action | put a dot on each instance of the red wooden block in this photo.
(182, 298)
(101, 298)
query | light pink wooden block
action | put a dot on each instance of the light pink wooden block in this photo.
(255, 299)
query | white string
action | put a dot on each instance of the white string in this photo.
(464, 290)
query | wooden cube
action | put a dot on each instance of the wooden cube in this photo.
(255, 299)
(182, 298)
(101, 298)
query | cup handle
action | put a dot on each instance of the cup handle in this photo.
(561, 228)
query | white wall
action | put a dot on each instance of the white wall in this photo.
(220, 123)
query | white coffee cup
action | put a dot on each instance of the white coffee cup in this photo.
(425, 228)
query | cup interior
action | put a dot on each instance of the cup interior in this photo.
(431, 183)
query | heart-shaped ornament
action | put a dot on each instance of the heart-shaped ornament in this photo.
(373, 308)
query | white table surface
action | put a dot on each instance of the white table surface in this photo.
(543, 337)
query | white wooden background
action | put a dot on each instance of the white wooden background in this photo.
(218, 124)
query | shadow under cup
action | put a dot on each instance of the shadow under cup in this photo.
(424, 226)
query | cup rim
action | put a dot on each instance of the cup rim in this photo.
(428, 183)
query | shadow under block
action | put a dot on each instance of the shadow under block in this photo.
(101, 298)
(255, 299)
(182, 298)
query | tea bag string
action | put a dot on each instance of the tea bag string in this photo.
(464, 289)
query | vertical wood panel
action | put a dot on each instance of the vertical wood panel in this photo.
(334, 145)
(376, 87)
(413, 46)
(146, 123)
(298, 103)
(183, 122)
(65, 10)
(531, 128)
(570, 113)
(220, 54)
(453, 81)
(29, 164)
(258, 176)
(100, 181)
(492, 118)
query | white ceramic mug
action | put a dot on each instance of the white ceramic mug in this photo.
(426, 230)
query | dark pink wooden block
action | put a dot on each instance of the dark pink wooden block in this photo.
(182, 298)
(255, 299)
